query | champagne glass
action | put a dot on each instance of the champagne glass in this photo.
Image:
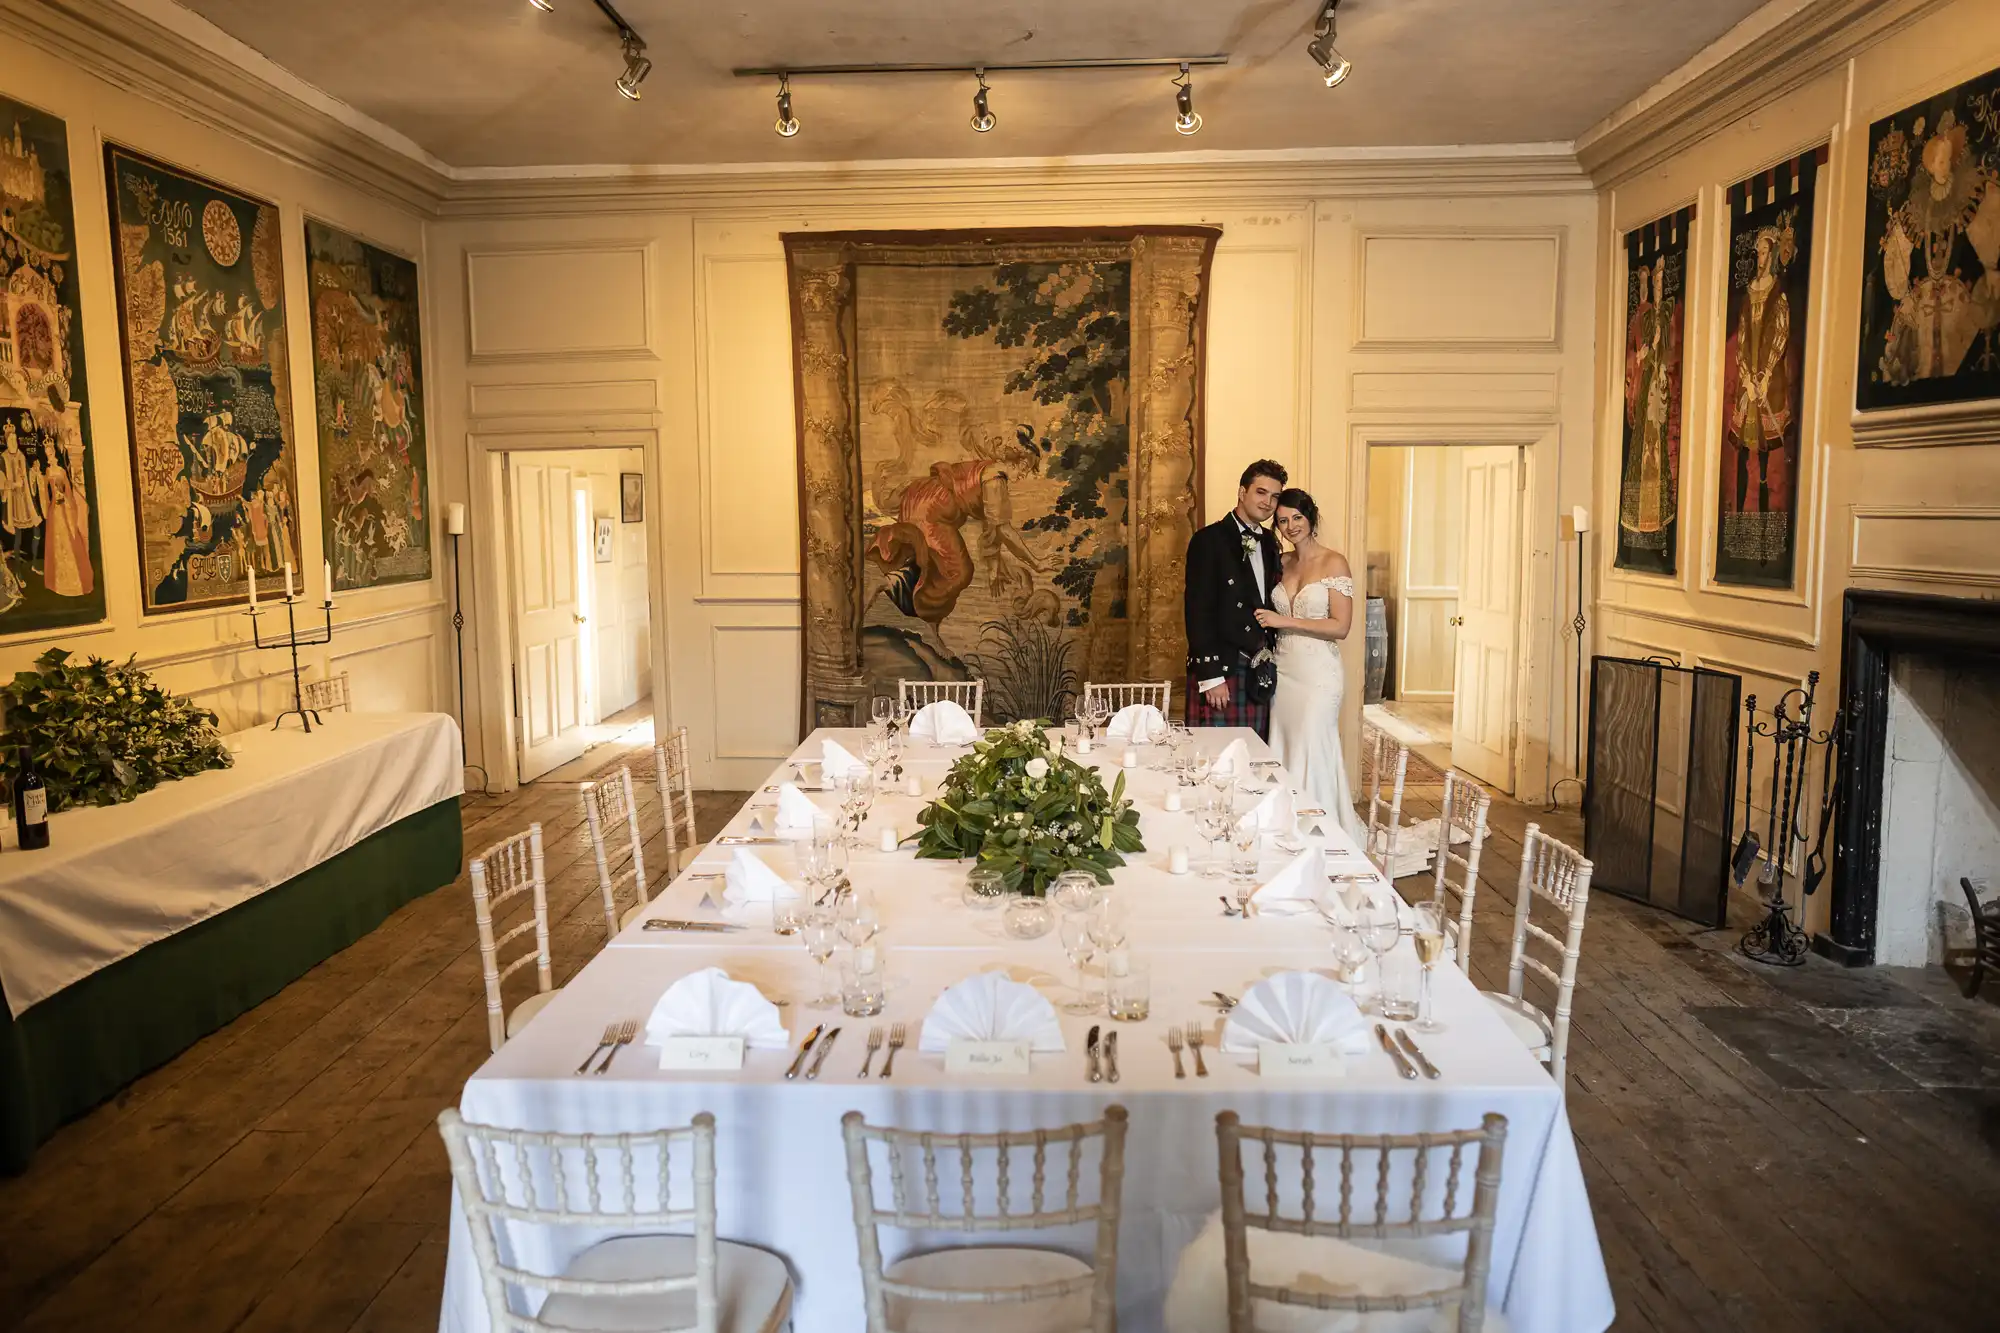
(821, 933)
(1430, 947)
(1078, 945)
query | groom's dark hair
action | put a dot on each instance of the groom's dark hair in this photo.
(1263, 467)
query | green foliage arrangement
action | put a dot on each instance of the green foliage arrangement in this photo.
(1024, 810)
(102, 732)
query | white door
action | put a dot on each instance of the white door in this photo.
(1489, 582)
(548, 622)
(1427, 592)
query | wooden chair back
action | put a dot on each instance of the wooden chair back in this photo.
(967, 694)
(1464, 810)
(1558, 875)
(594, 1182)
(507, 878)
(1390, 1215)
(1055, 1199)
(1384, 754)
(1115, 697)
(326, 695)
(608, 805)
(673, 772)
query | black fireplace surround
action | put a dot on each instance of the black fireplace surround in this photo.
(1875, 627)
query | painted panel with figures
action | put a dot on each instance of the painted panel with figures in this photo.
(201, 289)
(49, 551)
(368, 395)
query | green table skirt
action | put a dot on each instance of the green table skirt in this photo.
(85, 1042)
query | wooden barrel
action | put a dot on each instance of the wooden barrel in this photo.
(1378, 649)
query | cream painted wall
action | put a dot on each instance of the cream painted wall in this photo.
(392, 641)
(1334, 323)
(1921, 520)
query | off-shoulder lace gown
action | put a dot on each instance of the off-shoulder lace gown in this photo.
(1305, 715)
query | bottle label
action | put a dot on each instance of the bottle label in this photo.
(35, 806)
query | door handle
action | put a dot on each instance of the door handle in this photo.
(1455, 620)
(579, 619)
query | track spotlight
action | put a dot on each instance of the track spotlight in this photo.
(546, 6)
(982, 115)
(1334, 67)
(637, 67)
(1186, 119)
(788, 124)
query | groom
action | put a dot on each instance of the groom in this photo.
(1232, 566)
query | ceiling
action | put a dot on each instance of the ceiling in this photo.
(497, 83)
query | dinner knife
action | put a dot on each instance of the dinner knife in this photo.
(745, 840)
(1409, 1043)
(669, 923)
(820, 1059)
(805, 1046)
(1111, 1055)
(1403, 1065)
(1090, 1049)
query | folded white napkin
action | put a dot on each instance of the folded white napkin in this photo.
(749, 880)
(836, 760)
(709, 1004)
(1235, 758)
(944, 723)
(796, 812)
(1274, 813)
(1137, 722)
(1296, 888)
(1295, 1009)
(991, 1006)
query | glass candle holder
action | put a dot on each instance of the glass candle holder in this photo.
(1028, 917)
(984, 889)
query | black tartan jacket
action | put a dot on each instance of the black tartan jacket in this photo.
(1221, 598)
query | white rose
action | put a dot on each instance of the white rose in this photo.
(1037, 768)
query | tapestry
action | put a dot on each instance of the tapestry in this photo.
(1763, 372)
(1649, 485)
(368, 397)
(1930, 287)
(49, 552)
(201, 294)
(999, 459)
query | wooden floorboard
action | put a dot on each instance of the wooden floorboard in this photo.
(1763, 1151)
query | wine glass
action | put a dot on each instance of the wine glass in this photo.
(821, 933)
(1376, 922)
(858, 917)
(1098, 710)
(856, 789)
(1430, 947)
(1077, 943)
(877, 754)
(880, 709)
(1109, 921)
(1215, 818)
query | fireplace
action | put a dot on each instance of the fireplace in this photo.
(1920, 770)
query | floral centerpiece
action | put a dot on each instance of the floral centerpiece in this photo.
(1024, 810)
(102, 732)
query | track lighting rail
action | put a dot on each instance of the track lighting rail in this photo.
(990, 66)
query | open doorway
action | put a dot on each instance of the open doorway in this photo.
(1444, 604)
(581, 636)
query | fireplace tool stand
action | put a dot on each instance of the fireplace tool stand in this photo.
(1778, 939)
(294, 641)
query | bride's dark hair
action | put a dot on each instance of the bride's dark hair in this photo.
(1294, 498)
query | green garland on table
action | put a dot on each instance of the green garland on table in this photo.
(1024, 810)
(103, 732)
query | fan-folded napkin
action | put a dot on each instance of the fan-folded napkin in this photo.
(836, 760)
(1295, 1009)
(749, 880)
(991, 1006)
(1235, 758)
(944, 723)
(1273, 813)
(709, 1003)
(796, 812)
(1137, 722)
(1296, 888)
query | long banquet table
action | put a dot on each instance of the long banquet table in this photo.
(780, 1164)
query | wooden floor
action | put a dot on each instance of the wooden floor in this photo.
(1780, 1151)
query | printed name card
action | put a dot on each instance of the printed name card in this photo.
(1285, 1061)
(705, 1053)
(986, 1057)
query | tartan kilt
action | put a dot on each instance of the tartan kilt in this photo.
(1241, 711)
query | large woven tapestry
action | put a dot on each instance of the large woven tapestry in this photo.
(1649, 484)
(999, 459)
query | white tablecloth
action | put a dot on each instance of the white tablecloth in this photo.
(116, 878)
(781, 1168)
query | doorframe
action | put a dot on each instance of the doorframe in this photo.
(491, 594)
(1536, 652)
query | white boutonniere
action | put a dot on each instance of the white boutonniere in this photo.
(1250, 544)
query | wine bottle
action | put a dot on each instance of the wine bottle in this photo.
(31, 805)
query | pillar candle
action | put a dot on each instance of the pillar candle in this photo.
(1173, 800)
(288, 579)
(1177, 860)
(329, 583)
(454, 519)
(889, 839)
(252, 581)
(1131, 759)
(915, 786)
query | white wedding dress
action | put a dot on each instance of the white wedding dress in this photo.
(1305, 715)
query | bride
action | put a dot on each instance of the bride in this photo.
(1315, 608)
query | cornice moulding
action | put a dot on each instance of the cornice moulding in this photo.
(1785, 45)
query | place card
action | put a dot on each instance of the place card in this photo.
(705, 1053)
(1309, 1060)
(965, 1056)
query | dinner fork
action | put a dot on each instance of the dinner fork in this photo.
(626, 1031)
(1194, 1044)
(1174, 1045)
(874, 1045)
(610, 1036)
(895, 1044)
